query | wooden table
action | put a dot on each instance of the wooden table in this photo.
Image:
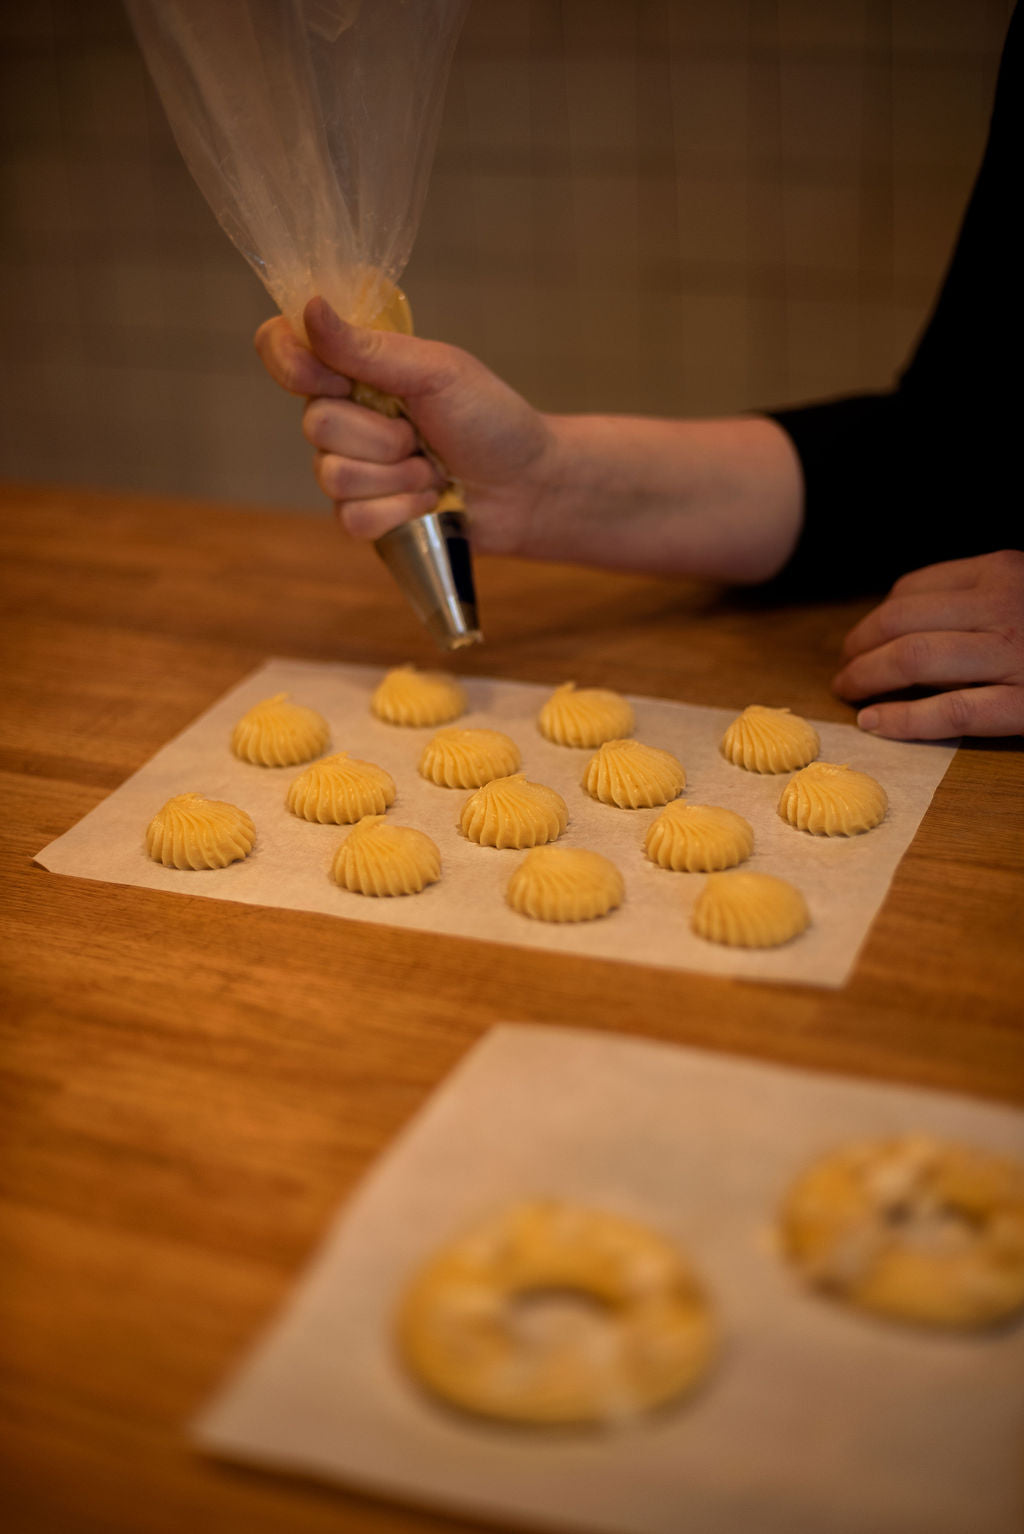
(192, 1087)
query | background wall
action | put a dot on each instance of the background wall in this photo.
(665, 206)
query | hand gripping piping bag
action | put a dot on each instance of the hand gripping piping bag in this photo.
(310, 126)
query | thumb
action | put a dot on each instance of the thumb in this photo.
(401, 365)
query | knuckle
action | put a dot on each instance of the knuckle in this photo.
(1008, 563)
(399, 440)
(913, 653)
(448, 365)
(958, 708)
(290, 372)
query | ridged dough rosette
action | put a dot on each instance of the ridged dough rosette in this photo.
(585, 716)
(194, 832)
(827, 799)
(633, 776)
(469, 758)
(511, 812)
(279, 733)
(698, 838)
(340, 789)
(749, 910)
(565, 884)
(410, 697)
(770, 740)
(378, 858)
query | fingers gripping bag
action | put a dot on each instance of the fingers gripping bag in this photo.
(310, 128)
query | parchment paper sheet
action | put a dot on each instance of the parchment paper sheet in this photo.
(817, 1420)
(844, 880)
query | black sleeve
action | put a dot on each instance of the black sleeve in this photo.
(932, 470)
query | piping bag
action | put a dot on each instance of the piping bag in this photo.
(310, 128)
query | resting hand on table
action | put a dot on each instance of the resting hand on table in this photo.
(957, 627)
(716, 499)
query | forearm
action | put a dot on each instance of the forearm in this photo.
(721, 500)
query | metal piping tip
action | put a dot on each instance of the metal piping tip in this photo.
(431, 561)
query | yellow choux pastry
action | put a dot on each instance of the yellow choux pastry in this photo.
(279, 733)
(191, 831)
(634, 1328)
(911, 1227)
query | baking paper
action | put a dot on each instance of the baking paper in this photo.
(843, 879)
(817, 1419)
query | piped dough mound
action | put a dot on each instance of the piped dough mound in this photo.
(827, 799)
(911, 1227)
(377, 858)
(770, 740)
(698, 838)
(469, 758)
(512, 812)
(565, 884)
(585, 716)
(340, 789)
(633, 776)
(552, 1314)
(194, 832)
(410, 697)
(279, 733)
(749, 910)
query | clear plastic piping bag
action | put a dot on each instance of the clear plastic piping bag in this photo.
(310, 128)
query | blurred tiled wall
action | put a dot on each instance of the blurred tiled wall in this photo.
(665, 206)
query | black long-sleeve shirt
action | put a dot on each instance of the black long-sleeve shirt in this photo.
(933, 469)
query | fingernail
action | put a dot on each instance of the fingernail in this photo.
(868, 719)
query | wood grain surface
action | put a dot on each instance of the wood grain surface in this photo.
(191, 1087)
